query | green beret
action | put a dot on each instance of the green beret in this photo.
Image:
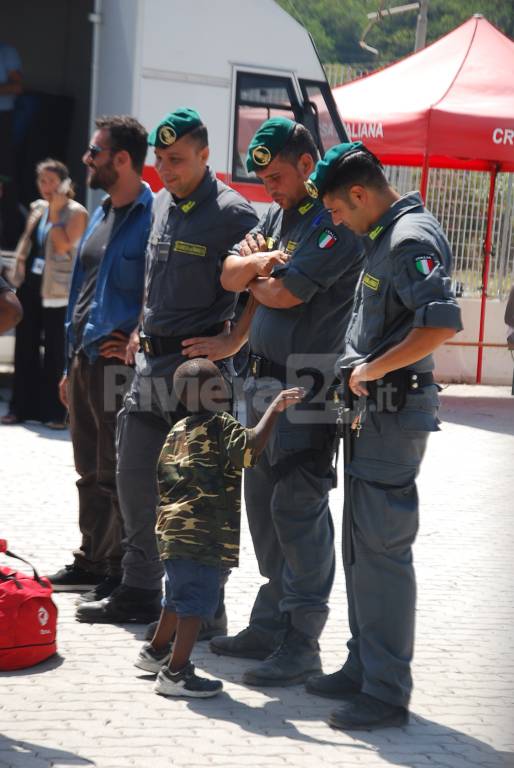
(269, 140)
(315, 182)
(173, 126)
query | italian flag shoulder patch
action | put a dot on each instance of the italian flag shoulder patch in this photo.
(327, 239)
(425, 264)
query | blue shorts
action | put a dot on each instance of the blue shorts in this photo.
(191, 588)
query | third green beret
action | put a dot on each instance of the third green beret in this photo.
(268, 141)
(316, 180)
(173, 126)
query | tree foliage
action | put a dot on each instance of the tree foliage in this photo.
(337, 25)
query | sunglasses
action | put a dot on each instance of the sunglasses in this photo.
(95, 150)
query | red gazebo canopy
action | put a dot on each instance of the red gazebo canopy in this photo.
(451, 103)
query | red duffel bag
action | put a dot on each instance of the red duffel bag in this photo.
(28, 617)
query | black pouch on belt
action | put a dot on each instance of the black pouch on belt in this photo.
(390, 392)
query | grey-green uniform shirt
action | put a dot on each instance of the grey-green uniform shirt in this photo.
(188, 243)
(322, 272)
(405, 284)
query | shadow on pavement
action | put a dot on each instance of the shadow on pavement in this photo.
(13, 751)
(406, 746)
(446, 746)
(493, 414)
(48, 665)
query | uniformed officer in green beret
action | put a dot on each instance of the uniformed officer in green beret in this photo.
(301, 271)
(404, 309)
(196, 220)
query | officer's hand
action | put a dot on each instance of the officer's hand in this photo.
(115, 346)
(288, 397)
(63, 391)
(131, 348)
(252, 244)
(264, 262)
(360, 374)
(218, 347)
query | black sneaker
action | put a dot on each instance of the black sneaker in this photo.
(71, 578)
(104, 589)
(151, 660)
(186, 683)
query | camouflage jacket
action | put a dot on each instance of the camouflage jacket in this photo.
(199, 474)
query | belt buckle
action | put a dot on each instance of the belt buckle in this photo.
(146, 345)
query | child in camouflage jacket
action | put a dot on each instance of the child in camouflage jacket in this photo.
(198, 522)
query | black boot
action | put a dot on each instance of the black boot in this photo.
(365, 713)
(124, 604)
(247, 644)
(296, 659)
(334, 686)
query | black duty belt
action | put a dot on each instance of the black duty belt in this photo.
(261, 368)
(154, 346)
(389, 392)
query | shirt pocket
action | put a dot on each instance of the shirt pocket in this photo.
(193, 278)
(128, 271)
(371, 317)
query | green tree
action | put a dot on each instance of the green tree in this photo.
(337, 25)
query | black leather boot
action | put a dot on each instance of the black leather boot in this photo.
(124, 605)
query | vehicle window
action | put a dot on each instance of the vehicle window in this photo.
(324, 112)
(258, 98)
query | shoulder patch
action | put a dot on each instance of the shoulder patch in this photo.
(327, 238)
(425, 264)
(303, 209)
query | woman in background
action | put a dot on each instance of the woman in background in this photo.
(44, 259)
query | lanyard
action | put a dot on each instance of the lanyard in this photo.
(43, 228)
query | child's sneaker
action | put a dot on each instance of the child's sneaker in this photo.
(186, 683)
(151, 660)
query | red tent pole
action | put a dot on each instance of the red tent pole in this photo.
(424, 178)
(485, 270)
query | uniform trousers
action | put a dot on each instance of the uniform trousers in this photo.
(92, 427)
(381, 585)
(291, 524)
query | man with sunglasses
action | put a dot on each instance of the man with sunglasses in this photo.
(104, 307)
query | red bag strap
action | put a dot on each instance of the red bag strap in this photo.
(3, 548)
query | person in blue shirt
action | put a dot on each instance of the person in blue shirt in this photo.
(105, 303)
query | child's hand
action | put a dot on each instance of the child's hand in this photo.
(288, 397)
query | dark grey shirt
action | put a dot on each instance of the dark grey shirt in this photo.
(323, 271)
(188, 244)
(405, 284)
(91, 256)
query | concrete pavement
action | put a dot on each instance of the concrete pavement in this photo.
(89, 706)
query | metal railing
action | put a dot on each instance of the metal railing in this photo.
(458, 199)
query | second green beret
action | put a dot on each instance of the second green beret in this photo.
(268, 141)
(316, 180)
(173, 126)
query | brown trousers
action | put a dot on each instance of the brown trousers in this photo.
(93, 427)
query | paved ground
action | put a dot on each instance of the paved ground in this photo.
(90, 707)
